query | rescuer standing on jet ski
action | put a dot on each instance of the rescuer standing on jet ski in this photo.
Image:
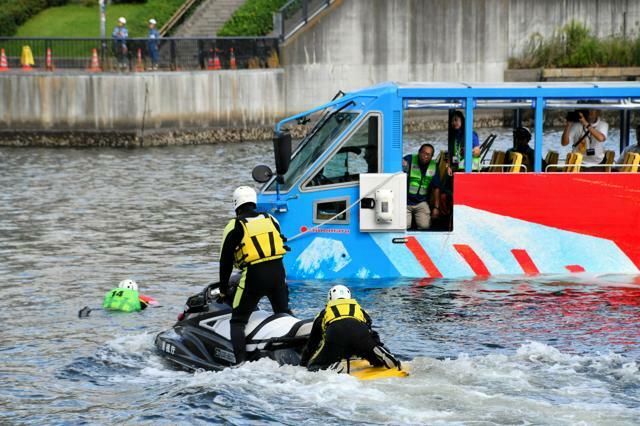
(252, 242)
(342, 330)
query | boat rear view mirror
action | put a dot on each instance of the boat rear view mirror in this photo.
(282, 151)
(367, 203)
(261, 173)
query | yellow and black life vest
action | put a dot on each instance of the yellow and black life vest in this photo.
(261, 242)
(341, 309)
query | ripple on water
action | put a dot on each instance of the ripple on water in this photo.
(544, 350)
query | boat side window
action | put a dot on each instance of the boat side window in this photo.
(326, 209)
(314, 145)
(358, 155)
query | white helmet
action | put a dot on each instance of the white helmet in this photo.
(130, 284)
(243, 195)
(338, 292)
(152, 21)
(122, 20)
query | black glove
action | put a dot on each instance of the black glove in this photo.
(304, 357)
(376, 337)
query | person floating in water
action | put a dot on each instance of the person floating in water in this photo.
(125, 298)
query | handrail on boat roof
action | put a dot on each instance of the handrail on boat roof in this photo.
(445, 104)
(489, 92)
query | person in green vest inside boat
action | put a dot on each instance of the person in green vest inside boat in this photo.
(125, 298)
(422, 180)
(456, 131)
(343, 330)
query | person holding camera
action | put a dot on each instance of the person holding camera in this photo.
(586, 132)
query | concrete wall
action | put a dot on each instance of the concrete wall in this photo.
(357, 43)
(184, 100)
(352, 44)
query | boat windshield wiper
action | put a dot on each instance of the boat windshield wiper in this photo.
(325, 117)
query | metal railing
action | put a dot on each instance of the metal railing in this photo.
(295, 14)
(177, 16)
(599, 168)
(173, 53)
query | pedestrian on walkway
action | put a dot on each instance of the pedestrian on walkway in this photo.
(120, 36)
(153, 42)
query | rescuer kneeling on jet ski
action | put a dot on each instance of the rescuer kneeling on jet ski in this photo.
(342, 330)
(253, 243)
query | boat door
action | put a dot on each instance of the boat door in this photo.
(333, 243)
(334, 184)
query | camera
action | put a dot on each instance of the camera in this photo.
(574, 116)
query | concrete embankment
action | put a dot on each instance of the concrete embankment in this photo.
(358, 43)
(44, 109)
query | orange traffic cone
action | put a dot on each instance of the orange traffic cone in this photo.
(232, 60)
(210, 63)
(216, 61)
(49, 61)
(3, 61)
(95, 63)
(139, 65)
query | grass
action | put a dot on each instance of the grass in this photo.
(75, 20)
(575, 46)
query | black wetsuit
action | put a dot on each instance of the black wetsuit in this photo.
(262, 279)
(343, 339)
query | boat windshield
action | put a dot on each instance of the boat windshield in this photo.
(312, 147)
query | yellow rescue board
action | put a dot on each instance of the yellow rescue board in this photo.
(361, 369)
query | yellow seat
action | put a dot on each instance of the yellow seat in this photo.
(572, 163)
(631, 162)
(609, 158)
(552, 159)
(516, 161)
(497, 157)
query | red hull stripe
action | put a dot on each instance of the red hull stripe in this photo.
(525, 262)
(474, 261)
(574, 268)
(423, 258)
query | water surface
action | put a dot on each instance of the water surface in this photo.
(74, 222)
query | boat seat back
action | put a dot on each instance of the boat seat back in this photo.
(573, 162)
(552, 159)
(609, 158)
(441, 163)
(496, 158)
(515, 158)
(631, 162)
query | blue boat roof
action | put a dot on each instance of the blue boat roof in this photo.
(576, 90)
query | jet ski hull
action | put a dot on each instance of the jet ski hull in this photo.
(201, 337)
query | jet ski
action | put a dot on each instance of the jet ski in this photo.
(201, 337)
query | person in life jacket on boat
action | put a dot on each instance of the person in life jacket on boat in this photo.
(343, 330)
(125, 298)
(456, 132)
(422, 179)
(253, 243)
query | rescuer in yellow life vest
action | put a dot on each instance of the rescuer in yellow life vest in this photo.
(341, 331)
(252, 242)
